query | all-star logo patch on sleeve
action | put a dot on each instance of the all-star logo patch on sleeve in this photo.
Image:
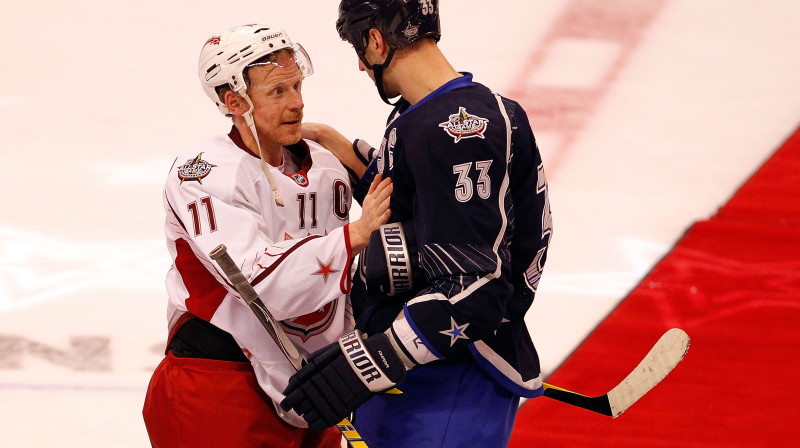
(194, 169)
(464, 125)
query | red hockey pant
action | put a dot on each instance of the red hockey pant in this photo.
(207, 403)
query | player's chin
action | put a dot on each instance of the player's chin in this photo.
(292, 132)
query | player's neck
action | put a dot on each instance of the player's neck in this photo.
(272, 154)
(419, 73)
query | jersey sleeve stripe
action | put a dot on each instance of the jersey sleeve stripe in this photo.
(346, 282)
(283, 256)
(507, 376)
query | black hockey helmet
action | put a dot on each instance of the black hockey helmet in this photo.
(401, 22)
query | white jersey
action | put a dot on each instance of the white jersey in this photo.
(296, 256)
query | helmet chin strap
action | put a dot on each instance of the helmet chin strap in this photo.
(248, 118)
(377, 69)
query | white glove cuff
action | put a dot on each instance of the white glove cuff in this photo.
(412, 343)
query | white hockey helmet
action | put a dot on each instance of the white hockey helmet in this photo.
(225, 58)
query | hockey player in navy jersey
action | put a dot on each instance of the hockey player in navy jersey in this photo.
(442, 290)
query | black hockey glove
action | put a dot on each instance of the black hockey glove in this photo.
(390, 263)
(341, 377)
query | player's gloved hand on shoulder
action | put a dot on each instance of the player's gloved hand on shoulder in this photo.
(342, 376)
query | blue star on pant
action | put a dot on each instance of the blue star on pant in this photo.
(456, 331)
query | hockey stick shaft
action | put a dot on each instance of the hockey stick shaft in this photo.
(245, 289)
(596, 404)
(660, 360)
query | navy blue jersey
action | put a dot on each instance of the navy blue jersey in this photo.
(468, 174)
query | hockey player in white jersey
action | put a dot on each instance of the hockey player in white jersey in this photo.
(280, 204)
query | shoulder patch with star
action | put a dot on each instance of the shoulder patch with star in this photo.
(463, 125)
(194, 169)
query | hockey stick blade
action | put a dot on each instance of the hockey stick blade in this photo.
(660, 360)
(245, 289)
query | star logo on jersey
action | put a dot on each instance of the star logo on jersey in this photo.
(194, 169)
(464, 125)
(456, 331)
(325, 269)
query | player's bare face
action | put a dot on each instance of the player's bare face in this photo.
(277, 104)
